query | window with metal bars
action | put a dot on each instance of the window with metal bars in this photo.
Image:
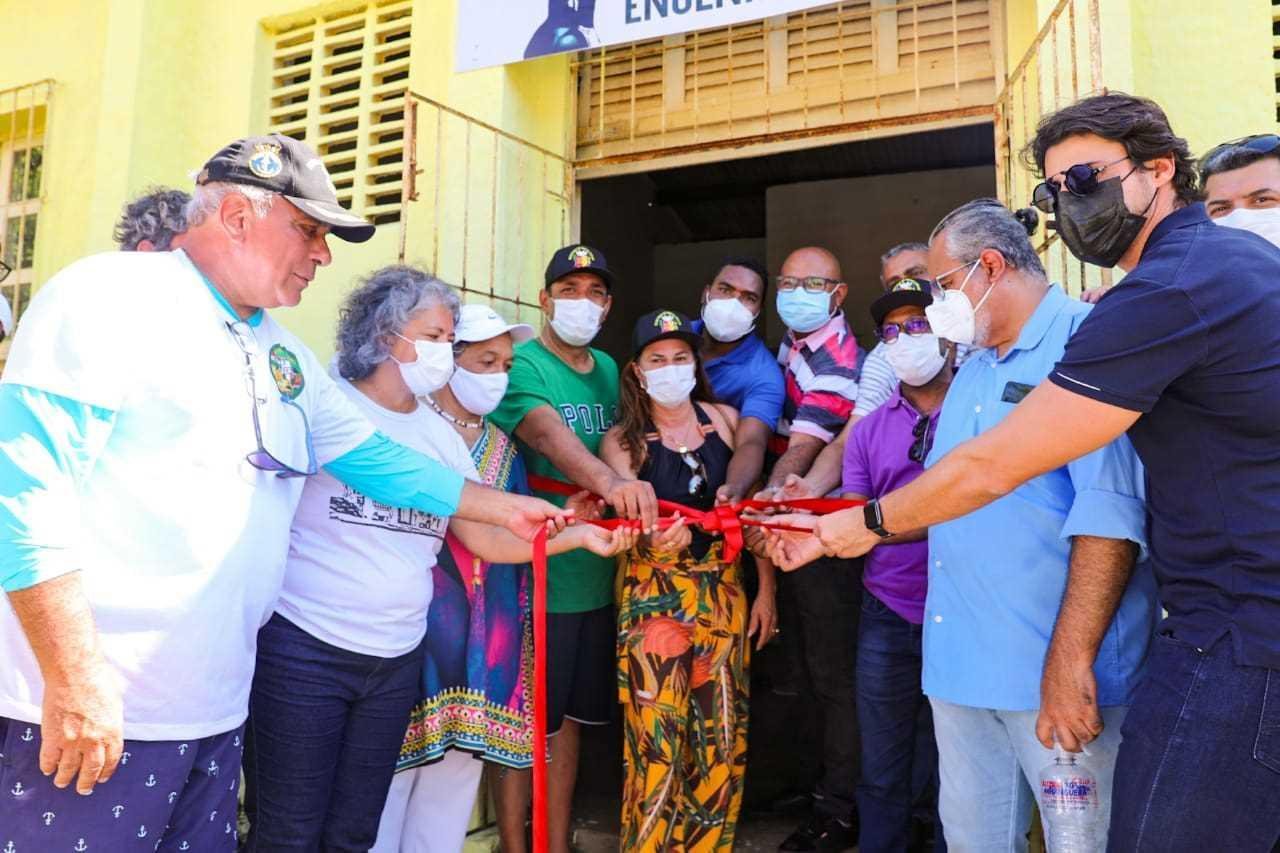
(23, 114)
(338, 81)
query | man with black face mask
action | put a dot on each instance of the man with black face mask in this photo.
(1184, 355)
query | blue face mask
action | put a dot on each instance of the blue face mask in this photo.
(803, 311)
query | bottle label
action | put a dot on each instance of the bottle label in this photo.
(1068, 793)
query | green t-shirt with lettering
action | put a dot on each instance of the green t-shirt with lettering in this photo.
(588, 404)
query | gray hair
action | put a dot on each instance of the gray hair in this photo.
(156, 216)
(985, 223)
(379, 308)
(894, 251)
(208, 197)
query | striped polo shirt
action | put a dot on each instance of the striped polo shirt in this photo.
(822, 379)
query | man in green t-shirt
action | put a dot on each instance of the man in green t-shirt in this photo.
(561, 399)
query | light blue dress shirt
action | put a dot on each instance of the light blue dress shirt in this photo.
(997, 575)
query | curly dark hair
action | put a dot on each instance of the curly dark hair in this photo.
(1139, 124)
(158, 215)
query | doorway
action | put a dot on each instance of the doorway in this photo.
(666, 231)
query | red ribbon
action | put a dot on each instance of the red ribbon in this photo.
(725, 519)
(539, 605)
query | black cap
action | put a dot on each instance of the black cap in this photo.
(284, 165)
(578, 258)
(660, 325)
(908, 291)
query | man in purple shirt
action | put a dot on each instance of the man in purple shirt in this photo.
(887, 450)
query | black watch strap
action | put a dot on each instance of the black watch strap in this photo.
(873, 518)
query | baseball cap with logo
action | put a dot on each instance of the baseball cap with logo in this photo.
(660, 325)
(480, 323)
(908, 291)
(284, 165)
(578, 258)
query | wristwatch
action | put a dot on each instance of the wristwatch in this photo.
(873, 518)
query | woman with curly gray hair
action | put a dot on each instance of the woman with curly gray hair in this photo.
(339, 662)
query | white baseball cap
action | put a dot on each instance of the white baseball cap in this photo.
(480, 323)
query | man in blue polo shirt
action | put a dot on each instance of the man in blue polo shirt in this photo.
(1184, 354)
(742, 371)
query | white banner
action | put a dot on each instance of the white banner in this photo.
(495, 32)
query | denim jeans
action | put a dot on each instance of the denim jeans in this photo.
(896, 727)
(1200, 765)
(827, 595)
(990, 762)
(325, 728)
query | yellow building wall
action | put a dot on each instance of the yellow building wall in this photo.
(1209, 64)
(147, 90)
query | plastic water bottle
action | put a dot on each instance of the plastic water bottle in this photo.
(1069, 803)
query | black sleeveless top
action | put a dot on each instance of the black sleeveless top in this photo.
(690, 478)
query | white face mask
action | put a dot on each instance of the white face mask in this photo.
(576, 321)
(954, 317)
(671, 385)
(915, 359)
(479, 393)
(431, 370)
(1264, 223)
(727, 320)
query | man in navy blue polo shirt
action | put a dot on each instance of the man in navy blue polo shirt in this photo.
(1184, 354)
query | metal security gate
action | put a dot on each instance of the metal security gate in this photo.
(1062, 64)
(483, 209)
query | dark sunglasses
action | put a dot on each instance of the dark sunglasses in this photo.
(1080, 180)
(1259, 143)
(889, 332)
(261, 458)
(698, 482)
(920, 447)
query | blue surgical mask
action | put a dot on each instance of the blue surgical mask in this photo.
(803, 311)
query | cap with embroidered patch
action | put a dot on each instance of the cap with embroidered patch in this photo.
(660, 325)
(578, 258)
(908, 291)
(292, 168)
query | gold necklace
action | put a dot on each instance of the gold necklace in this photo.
(451, 419)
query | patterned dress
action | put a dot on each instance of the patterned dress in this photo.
(682, 678)
(476, 678)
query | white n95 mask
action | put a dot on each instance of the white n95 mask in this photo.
(727, 320)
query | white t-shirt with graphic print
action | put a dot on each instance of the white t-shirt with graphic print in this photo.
(359, 572)
(180, 541)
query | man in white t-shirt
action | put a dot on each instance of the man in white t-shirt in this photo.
(155, 428)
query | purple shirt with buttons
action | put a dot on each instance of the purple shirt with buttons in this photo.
(876, 463)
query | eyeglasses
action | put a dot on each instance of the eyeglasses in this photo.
(261, 458)
(698, 482)
(1259, 143)
(889, 332)
(936, 288)
(1080, 180)
(5, 269)
(811, 284)
(920, 447)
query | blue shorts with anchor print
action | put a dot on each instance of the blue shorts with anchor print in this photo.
(164, 796)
